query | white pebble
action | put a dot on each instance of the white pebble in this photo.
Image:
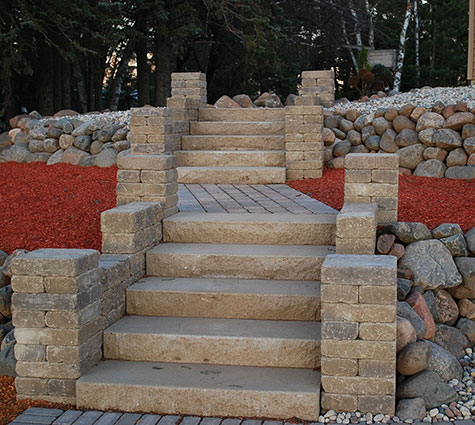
(433, 412)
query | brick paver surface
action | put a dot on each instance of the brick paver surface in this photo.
(245, 198)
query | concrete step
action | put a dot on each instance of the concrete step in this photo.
(231, 175)
(201, 390)
(229, 143)
(225, 298)
(231, 158)
(268, 229)
(238, 342)
(235, 114)
(296, 262)
(238, 128)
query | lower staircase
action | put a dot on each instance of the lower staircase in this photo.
(233, 146)
(227, 323)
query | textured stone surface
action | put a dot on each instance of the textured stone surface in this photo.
(413, 358)
(444, 363)
(452, 339)
(405, 310)
(409, 232)
(411, 408)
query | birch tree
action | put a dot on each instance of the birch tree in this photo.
(417, 39)
(369, 12)
(402, 46)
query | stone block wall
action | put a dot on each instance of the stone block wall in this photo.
(57, 318)
(131, 230)
(373, 178)
(356, 229)
(359, 333)
(150, 176)
(318, 88)
(189, 94)
(304, 142)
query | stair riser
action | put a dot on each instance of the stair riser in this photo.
(229, 266)
(223, 305)
(230, 159)
(255, 114)
(201, 175)
(269, 233)
(229, 143)
(201, 402)
(267, 352)
(238, 128)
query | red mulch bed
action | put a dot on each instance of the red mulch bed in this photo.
(55, 206)
(421, 199)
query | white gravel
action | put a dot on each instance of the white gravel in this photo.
(425, 97)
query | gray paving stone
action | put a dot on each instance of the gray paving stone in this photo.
(89, 418)
(149, 419)
(129, 419)
(273, 423)
(68, 417)
(190, 420)
(231, 422)
(109, 418)
(169, 420)
(35, 419)
(251, 422)
(43, 411)
(210, 421)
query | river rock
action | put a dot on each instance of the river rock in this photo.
(7, 269)
(226, 102)
(407, 312)
(456, 245)
(397, 251)
(457, 157)
(106, 158)
(352, 114)
(458, 120)
(443, 363)
(328, 137)
(66, 141)
(346, 125)
(381, 125)
(470, 238)
(268, 100)
(290, 100)
(418, 303)
(385, 243)
(411, 156)
(435, 153)
(466, 267)
(16, 153)
(403, 288)
(83, 129)
(36, 145)
(406, 137)
(244, 101)
(452, 339)
(426, 136)
(341, 148)
(388, 141)
(333, 121)
(431, 168)
(430, 301)
(7, 356)
(447, 139)
(406, 333)
(467, 327)
(469, 145)
(413, 358)
(401, 122)
(354, 137)
(409, 232)
(372, 143)
(51, 145)
(461, 173)
(363, 121)
(447, 229)
(429, 386)
(6, 301)
(411, 408)
(431, 264)
(467, 308)
(338, 162)
(429, 120)
(56, 158)
(73, 155)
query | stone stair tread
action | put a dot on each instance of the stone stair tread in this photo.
(204, 390)
(220, 114)
(220, 328)
(213, 158)
(237, 127)
(228, 286)
(233, 142)
(232, 175)
(244, 250)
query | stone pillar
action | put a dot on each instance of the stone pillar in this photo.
(57, 319)
(131, 229)
(189, 94)
(356, 229)
(150, 176)
(359, 333)
(373, 178)
(318, 88)
(304, 142)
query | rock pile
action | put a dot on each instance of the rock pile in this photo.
(431, 142)
(91, 139)
(265, 100)
(436, 319)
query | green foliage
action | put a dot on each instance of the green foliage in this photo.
(363, 59)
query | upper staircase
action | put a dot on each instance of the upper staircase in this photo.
(234, 146)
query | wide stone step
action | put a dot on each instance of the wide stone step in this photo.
(231, 175)
(239, 128)
(268, 229)
(215, 341)
(229, 143)
(235, 114)
(231, 158)
(201, 390)
(283, 262)
(225, 298)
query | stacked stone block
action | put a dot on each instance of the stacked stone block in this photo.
(373, 178)
(131, 229)
(304, 142)
(151, 131)
(318, 88)
(356, 229)
(189, 94)
(359, 333)
(57, 319)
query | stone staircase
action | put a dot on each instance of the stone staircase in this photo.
(227, 323)
(233, 146)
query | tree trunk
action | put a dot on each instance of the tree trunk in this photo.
(66, 81)
(99, 62)
(58, 86)
(417, 37)
(81, 85)
(350, 49)
(402, 47)
(45, 81)
(359, 41)
(163, 67)
(369, 11)
(116, 85)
